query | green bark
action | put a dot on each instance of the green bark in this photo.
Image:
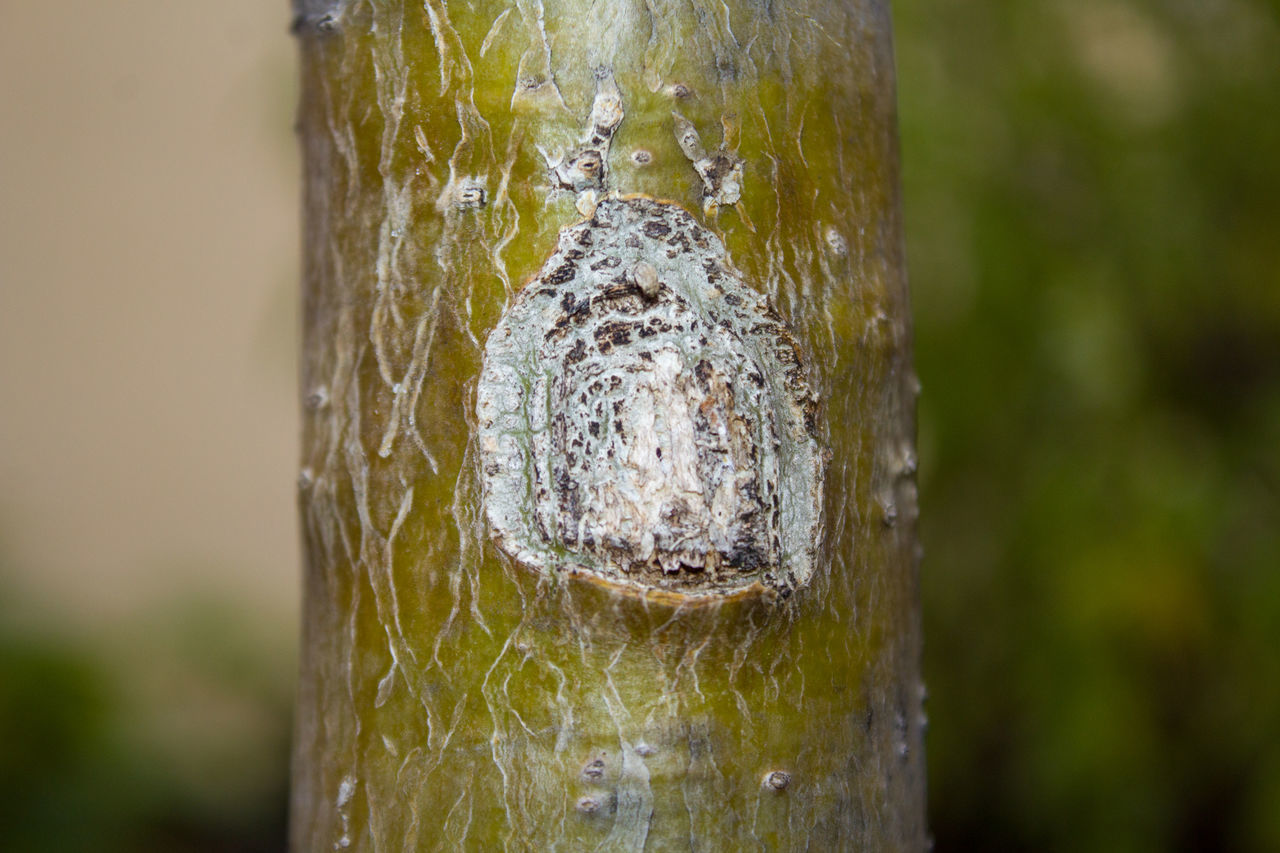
(453, 699)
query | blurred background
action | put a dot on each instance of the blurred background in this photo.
(148, 544)
(1093, 214)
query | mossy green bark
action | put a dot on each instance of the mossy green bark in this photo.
(453, 700)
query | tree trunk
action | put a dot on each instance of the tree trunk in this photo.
(608, 472)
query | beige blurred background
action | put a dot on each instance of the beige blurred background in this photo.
(148, 543)
(148, 246)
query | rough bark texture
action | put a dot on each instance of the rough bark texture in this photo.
(458, 693)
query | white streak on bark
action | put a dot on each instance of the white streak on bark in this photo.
(493, 31)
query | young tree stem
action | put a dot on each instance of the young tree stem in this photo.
(458, 694)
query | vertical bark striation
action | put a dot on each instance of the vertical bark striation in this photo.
(452, 699)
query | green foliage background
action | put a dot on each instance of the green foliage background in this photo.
(1093, 208)
(171, 734)
(1093, 213)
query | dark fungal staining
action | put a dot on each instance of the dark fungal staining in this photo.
(577, 353)
(561, 274)
(656, 228)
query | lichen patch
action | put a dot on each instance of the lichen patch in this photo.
(583, 170)
(644, 417)
(721, 172)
